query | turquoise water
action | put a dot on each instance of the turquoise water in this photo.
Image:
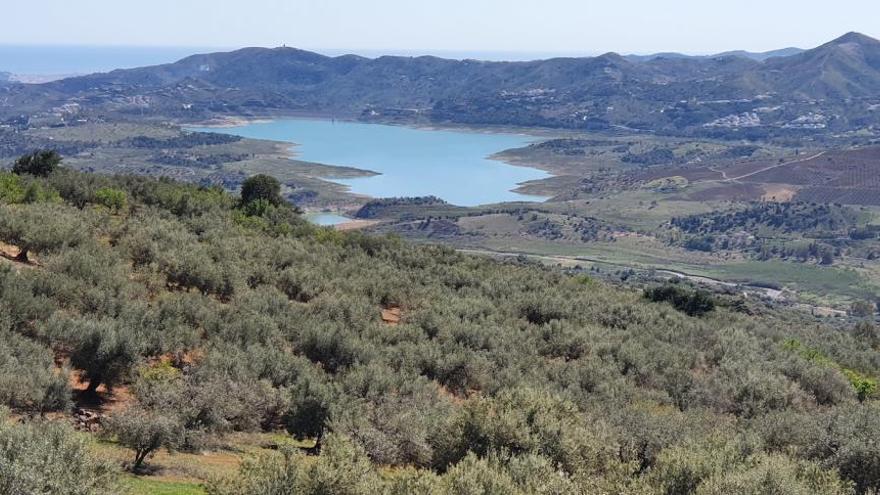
(326, 219)
(452, 165)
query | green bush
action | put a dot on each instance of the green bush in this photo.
(114, 199)
(11, 188)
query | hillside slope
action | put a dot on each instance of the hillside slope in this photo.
(218, 317)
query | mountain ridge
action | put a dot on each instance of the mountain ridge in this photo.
(669, 95)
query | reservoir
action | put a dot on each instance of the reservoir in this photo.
(452, 165)
(326, 219)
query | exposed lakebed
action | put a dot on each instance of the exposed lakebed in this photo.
(452, 165)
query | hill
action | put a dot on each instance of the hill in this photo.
(848, 67)
(202, 317)
(831, 88)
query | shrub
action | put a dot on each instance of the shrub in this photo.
(342, 469)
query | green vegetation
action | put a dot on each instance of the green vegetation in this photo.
(799, 231)
(142, 486)
(500, 377)
(864, 386)
(114, 199)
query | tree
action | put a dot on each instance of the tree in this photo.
(145, 432)
(261, 187)
(862, 309)
(104, 349)
(40, 163)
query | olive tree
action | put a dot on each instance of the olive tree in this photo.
(40, 227)
(40, 163)
(261, 187)
(145, 432)
(105, 350)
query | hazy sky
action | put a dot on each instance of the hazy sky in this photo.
(460, 26)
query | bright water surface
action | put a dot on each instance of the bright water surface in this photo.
(326, 219)
(452, 165)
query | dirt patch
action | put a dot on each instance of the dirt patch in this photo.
(392, 315)
(449, 394)
(782, 193)
(10, 252)
(728, 191)
(180, 359)
(103, 401)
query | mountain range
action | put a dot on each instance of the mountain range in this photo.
(832, 88)
(758, 56)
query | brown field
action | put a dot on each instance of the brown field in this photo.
(729, 191)
(838, 176)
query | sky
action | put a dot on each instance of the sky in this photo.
(541, 27)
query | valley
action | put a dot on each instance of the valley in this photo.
(272, 271)
(610, 198)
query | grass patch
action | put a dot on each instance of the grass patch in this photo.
(146, 486)
(800, 277)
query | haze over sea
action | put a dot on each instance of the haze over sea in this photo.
(63, 60)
